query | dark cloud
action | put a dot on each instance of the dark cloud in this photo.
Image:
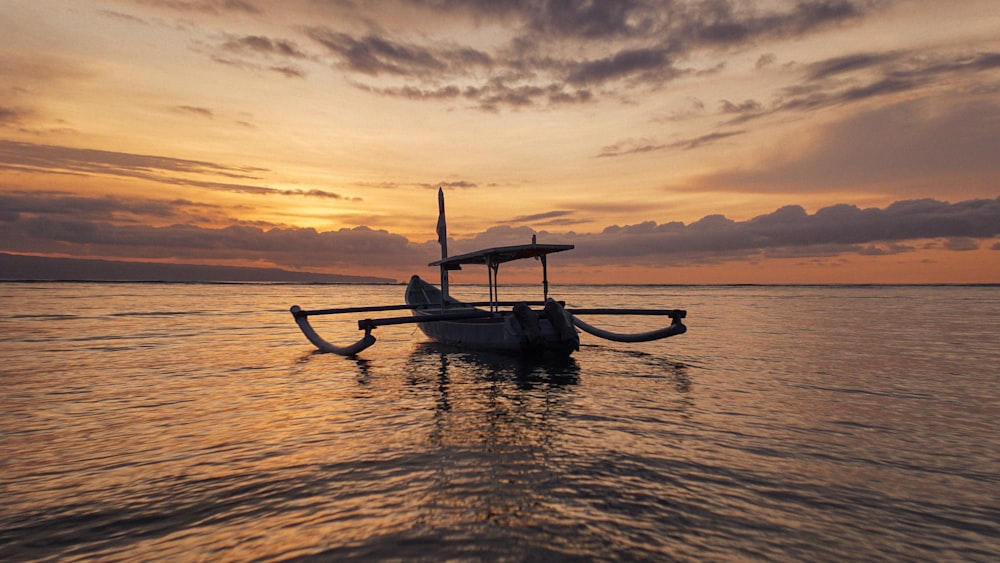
(375, 55)
(60, 204)
(195, 110)
(315, 193)
(560, 52)
(453, 184)
(286, 70)
(743, 107)
(538, 217)
(637, 63)
(292, 247)
(640, 42)
(863, 76)
(710, 21)
(631, 147)
(595, 20)
(260, 53)
(745, 110)
(572, 52)
(961, 244)
(840, 228)
(130, 18)
(765, 60)
(688, 144)
(825, 69)
(54, 159)
(11, 116)
(92, 161)
(261, 45)
(114, 227)
(205, 6)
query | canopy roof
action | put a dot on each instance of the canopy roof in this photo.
(500, 255)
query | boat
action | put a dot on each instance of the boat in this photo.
(543, 328)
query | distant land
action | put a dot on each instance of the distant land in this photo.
(37, 268)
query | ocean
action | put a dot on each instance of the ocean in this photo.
(182, 422)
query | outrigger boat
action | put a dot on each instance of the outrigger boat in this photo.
(549, 330)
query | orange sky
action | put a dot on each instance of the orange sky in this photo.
(691, 141)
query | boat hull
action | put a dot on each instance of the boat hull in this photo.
(525, 332)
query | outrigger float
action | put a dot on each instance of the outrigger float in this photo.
(550, 330)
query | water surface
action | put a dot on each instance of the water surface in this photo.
(193, 421)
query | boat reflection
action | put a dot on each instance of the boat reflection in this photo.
(524, 372)
(497, 422)
(476, 453)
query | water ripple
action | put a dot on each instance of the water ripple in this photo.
(160, 422)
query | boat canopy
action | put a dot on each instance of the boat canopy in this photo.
(498, 255)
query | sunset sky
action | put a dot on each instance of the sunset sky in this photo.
(675, 141)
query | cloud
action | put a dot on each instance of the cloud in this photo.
(194, 110)
(453, 184)
(640, 146)
(205, 6)
(353, 248)
(287, 70)
(128, 18)
(913, 147)
(643, 64)
(558, 52)
(61, 204)
(561, 218)
(836, 66)
(374, 55)
(315, 193)
(688, 144)
(864, 76)
(121, 228)
(837, 229)
(545, 53)
(261, 45)
(11, 116)
(961, 244)
(919, 139)
(765, 60)
(260, 53)
(92, 161)
(631, 146)
(53, 159)
(541, 216)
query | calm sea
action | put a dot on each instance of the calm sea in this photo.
(194, 422)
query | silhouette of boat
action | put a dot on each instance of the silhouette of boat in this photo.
(532, 328)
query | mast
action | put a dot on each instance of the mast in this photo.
(442, 233)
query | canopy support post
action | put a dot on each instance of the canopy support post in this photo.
(492, 269)
(545, 278)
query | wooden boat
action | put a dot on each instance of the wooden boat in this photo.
(549, 329)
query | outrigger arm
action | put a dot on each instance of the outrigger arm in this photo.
(674, 329)
(676, 326)
(302, 319)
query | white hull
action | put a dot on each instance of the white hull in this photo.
(503, 332)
